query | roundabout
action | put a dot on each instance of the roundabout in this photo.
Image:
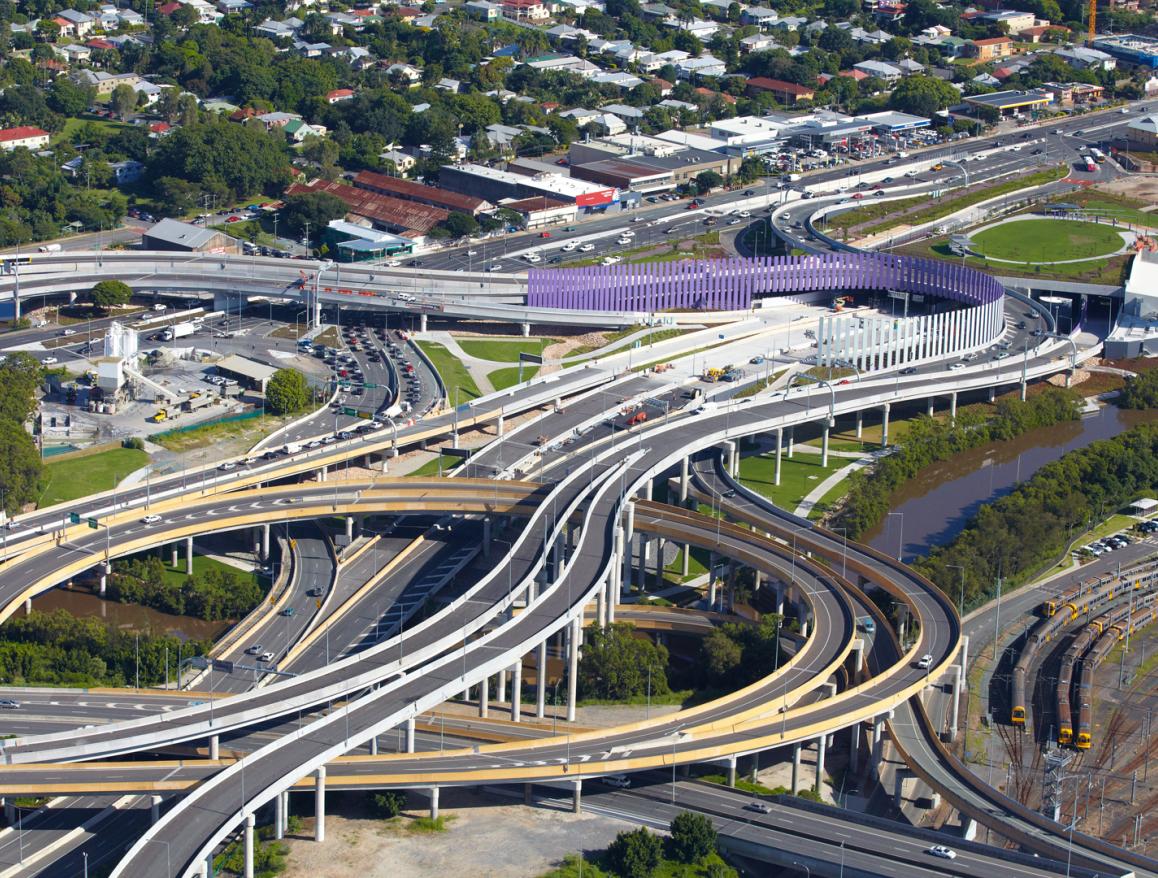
(1047, 241)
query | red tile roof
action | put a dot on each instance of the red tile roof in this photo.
(408, 190)
(159, 127)
(21, 133)
(382, 208)
(763, 83)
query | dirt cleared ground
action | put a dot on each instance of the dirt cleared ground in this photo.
(1143, 187)
(485, 835)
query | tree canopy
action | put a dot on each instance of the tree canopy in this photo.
(229, 160)
(692, 837)
(316, 209)
(287, 392)
(635, 854)
(106, 293)
(923, 95)
(615, 664)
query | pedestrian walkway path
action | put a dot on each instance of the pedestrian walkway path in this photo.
(478, 369)
(816, 494)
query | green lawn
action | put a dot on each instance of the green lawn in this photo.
(504, 350)
(73, 126)
(453, 372)
(250, 430)
(68, 477)
(798, 476)
(1043, 240)
(508, 376)
(1095, 271)
(431, 467)
(201, 566)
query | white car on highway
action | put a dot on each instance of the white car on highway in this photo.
(623, 240)
(569, 246)
(945, 853)
(586, 248)
(150, 519)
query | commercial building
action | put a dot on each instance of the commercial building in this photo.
(1012, 103)
(25, 135)
(539, 211)
(1142, 134)
(171, 234)
(407, 190)
(1136, 331)
(354, 243)
(495, 186)
(383, 211)
(1074, 94)
(625, 173)
(246, 372)
(1131, 48)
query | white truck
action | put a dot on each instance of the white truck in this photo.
(49, 248)
(291, 448)
(178, 330)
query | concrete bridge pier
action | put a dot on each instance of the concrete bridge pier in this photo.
(526, 328)
(349, 527)
(859, 424)
(779, 450)
(660, 543)
(154, 809)
(824, 444)
(484, 698)
(188, 556)
(502, 685)
(422, 323)
(215, 747)
(576, 797)
(500, 427)
(265, 531)
(964, 661)
(249, 845)
(541, 681)
(854, 748)
(957, 681)
(517, 691)
(173, 555)
(795, 769)
(885, 425)
(320, 804)
(280, 818)
(410, 735)
(486, 540)
(821, 749)
(953, 406)
(433, 799)
(791, 441)
(878, 737)
(9, 813)
(684, 469)
(687, 555)
(644, 559)
(992, 394)
(930, 408)
(732, 770)
(628, 531)
(573, 667)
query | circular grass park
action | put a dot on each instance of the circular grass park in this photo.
(1047, 240)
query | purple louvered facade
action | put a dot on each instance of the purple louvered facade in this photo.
(732, 284)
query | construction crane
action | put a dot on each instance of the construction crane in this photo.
(1093, 22)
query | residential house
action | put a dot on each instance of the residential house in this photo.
(25, 135)
(1014, 21)
(991, 49)
(880, 69)
(75, 24)
(663, 85)
(126, 172)
(338, 95)
(658, 11)
(910, 67)
(581, 6)
(704, 66)
(447, 84)
(625, 81)
(784, 92)
(674, 106)
(789, 23)
(525, 10)
(606, 124)
(936, 32)
(276, 119)
(297, 130)
(631, 115)
(580, 115)
(697, 27)
(402, 161)
(233, 7)
(1087, 59)
(760, 16)
(311, 50)
(276, 30)
(756, 43)
(404, 73)
(104, 83)
(483, 10)
(75, 52)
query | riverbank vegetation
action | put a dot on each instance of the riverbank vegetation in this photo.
(1140, 392)
(213, 594)
(1014, 536)
(56, 649)
(930, 440)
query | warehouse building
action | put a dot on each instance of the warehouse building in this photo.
(496, 186)
(407, 190)
(248, 373)
(176, 236)
(383, 211)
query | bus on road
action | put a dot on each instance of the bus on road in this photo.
(1097, 155)
(1089, 162)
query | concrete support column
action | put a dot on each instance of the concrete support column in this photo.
(731, 771)
(422, 323)
(953, 406)
(628, 532)
(929, 408)
(878, 735)
(573, 667)
(576, 797)
(173, 555)
(374, 746)
(687, 556)
(154, 809)
(410, 735)
(541, 681)
(434, 803)
(824, 445)
(484, 697)
(684, 467)
(965, 661)
(265, 528)
(104, 584)
(486, 543)
(859, 424)
(854, 748)
(323, 472)
(992, 394)
(279, 815)
(503, 685)
(320, 803)
(791, 441)
(821, 749)
(659, 547)
(517, 691)
(526, 327)
(249, 845)
(857, 660)
(215, 747)
(885, 425)
(188, 556)
(349, 527)
(956, 701)
(644, 556)
(779, 449)
(795, 769)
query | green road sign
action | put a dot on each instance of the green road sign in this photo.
(74, 518)
(92, 522)
(353, 413)
(371, 386)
